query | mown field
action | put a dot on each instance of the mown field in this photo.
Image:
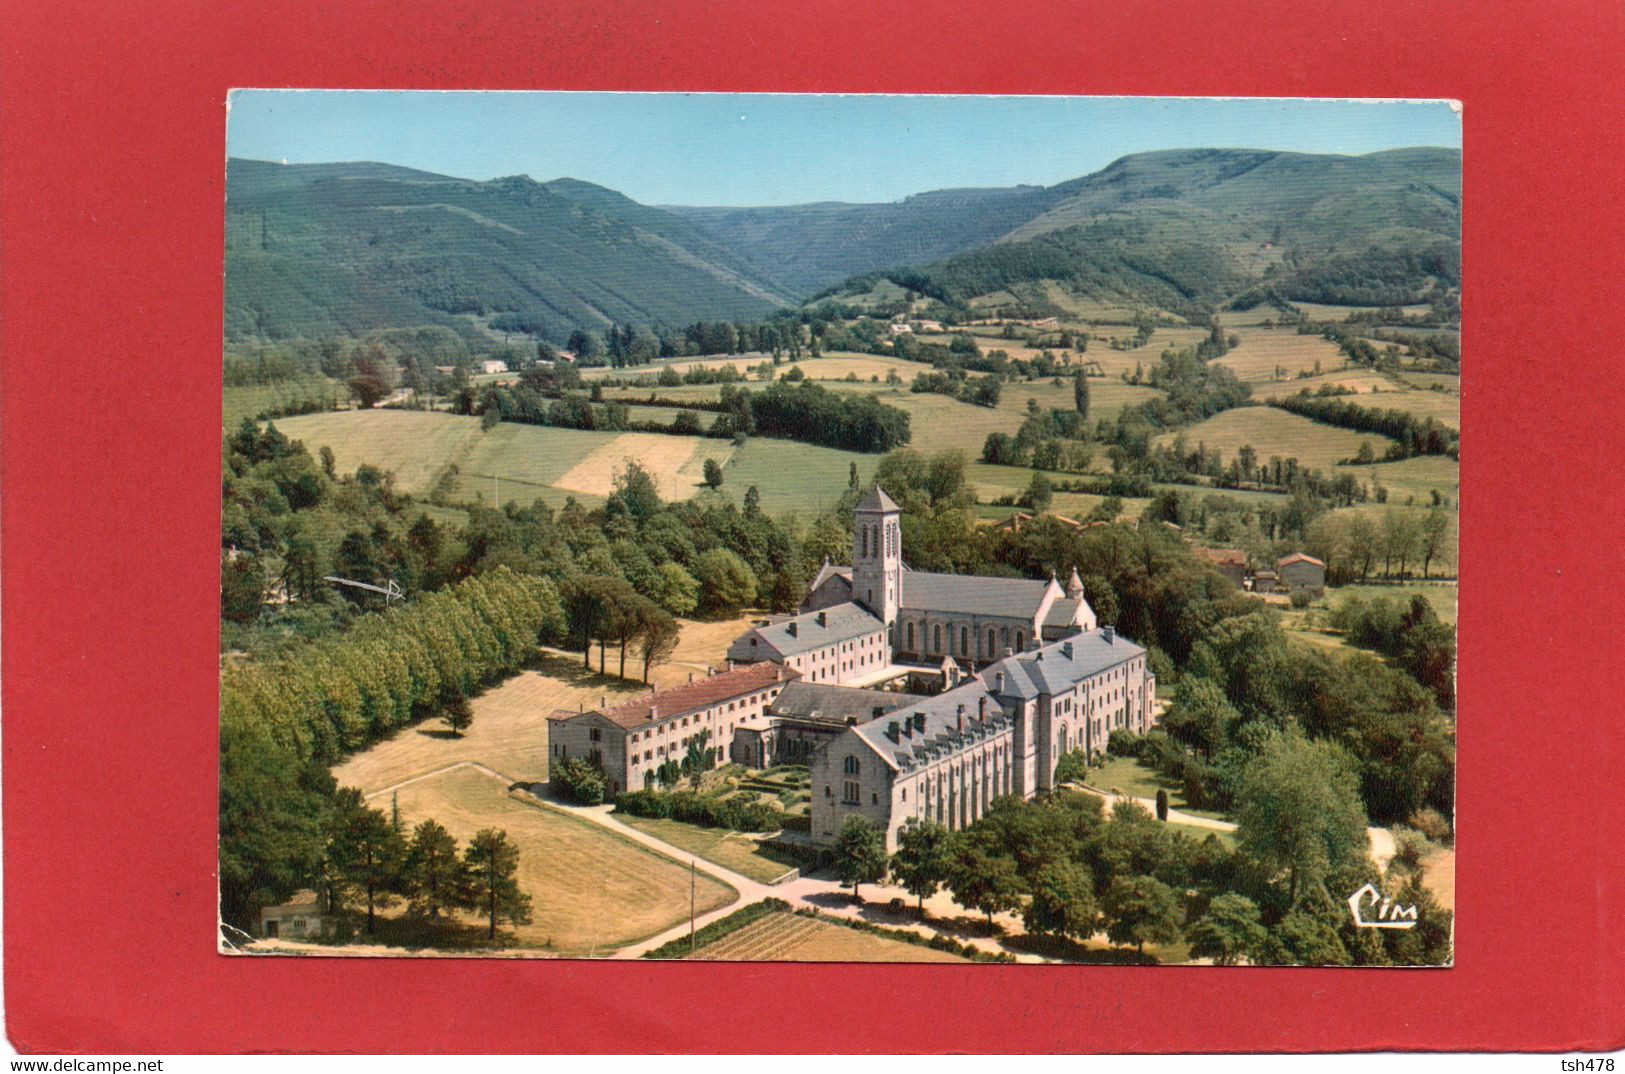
(1276, 354)
(786, 937)
(591, 890)
(521, 463)
(1271, 432)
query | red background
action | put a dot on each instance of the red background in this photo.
(112, 130)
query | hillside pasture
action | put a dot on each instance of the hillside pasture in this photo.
(1378, 391)
(1418, 477)
(522, 463)
(414, 445)
(252, 400)
(1274, 354)
(837, 365)
(1275, 433)
(591, 890)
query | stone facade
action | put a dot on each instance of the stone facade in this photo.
(631, 740)
(1000, 733)
(1301, 572)
(830, 645)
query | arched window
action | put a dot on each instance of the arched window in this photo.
(964, 641)
(865, 531)
(992, 643)
(936, 638)
(911, 637)
(851, 766)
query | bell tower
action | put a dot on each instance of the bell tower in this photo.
(877, 556)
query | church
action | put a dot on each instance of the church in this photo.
(1029, 676)
(927, 616)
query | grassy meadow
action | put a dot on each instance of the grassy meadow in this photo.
(591, 890)
(1271, 432)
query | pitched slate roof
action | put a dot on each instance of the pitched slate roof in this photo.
(837, 704)
(969, 594)
(803, 633)
(942, 731)
(1062, 612)
(877, 500)
(1050, 670)
(691, 696)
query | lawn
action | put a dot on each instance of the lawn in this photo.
(1128, 776)
(787, 937)
(738, 851)
(1276, 433)
(509, 733)
(591, 890)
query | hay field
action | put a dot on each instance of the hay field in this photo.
(414, 445)
(522, 463)
(1263, 351)
(675, 463)
(1273, 432)
(1320, 311)
(835, 365)
(591, 891)
(785, 937)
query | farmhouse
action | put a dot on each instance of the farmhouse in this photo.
(1230, 562)
(1021, 518)
(1001, 733)
(1301, 572)
(929, 616)
(631, 740)
(493, 365)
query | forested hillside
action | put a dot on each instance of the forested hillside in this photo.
(314, 250)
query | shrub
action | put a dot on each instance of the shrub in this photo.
(581, 781)
(1300, 598)
(1410, 847)
(1123, 743)
(1431, 823)
(691, 808)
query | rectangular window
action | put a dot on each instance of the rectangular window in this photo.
(850, 793)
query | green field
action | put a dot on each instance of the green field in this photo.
(521, 463)
(1439, 594)
(1276, 433)
(1416, 477)
(250, 401)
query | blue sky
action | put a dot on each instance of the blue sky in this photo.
(762, 149)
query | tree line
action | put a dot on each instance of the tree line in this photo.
(1412, 435)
